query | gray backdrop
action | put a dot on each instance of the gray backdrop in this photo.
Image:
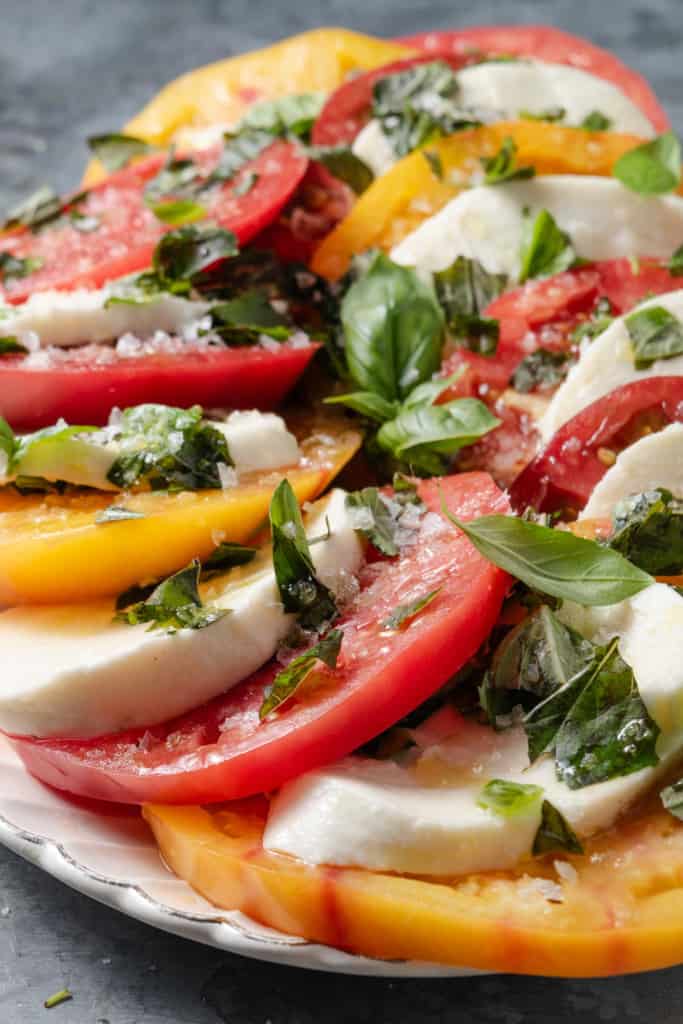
(71, 68)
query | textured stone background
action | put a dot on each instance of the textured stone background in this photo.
(70, 68)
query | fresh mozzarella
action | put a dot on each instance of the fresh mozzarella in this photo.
(72, 671)
(603, 219)
(607, 363)
(82, 317)
(259, 440)
(373, 147)
(654, 461)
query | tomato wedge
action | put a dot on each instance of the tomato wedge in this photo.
(78, 385)
(549, 44)
(222, 751)
(569, 467)
(127, 230)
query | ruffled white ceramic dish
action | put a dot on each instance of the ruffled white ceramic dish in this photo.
(112, 858)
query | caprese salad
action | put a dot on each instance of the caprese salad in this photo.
(341, 495)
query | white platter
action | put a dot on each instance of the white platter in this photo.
(113, 859)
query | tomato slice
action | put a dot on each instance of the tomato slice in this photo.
(128, 231)
(569, 467)
(550, 44)
(222, 751)
(79, 386)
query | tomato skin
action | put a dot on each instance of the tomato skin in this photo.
(128, 231)
(239, 378)
(565, 472)
(222, 752)
(549, 44)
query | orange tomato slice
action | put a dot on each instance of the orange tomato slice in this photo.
(619, 910)
(400, 200)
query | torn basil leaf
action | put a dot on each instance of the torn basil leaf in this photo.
(405, 613)
(554, 561)
(343, 163)
(464, 290)
(503, 165)
(287, 682)
(177, 211)
(389, 522)
(38, 209)
(509, 799)
(115, 150)
(15, 267)
(655, 334)
(596, 121)
(174, 604)
(540, 370)
(226, 556)
(301, 592)
(653, 168)
(288, 115)
(545, 248)
(11, 344)
(178, 178)
(239, 148)
(555, 833)
(647, 529)
(675, 264)
(116, 514)
(243, 319)
(188, 252)
(550, 114)
(672, 799)
(599, 320)
(435, 163)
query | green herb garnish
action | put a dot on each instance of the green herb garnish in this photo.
(540, 370)
(545, 248)
(115, 150)
(288, 681)
(509, 799)
(174, 604)
(503, 166)
(655, 334)
(653, 168)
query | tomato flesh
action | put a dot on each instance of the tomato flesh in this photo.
(549, 44)
(222, 751)
(128, 230)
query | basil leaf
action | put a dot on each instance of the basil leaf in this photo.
(367, 403)
(14, 266)
(545, 249)
(540, 370)
(179, 177)
(251, 311)
(551, 114)
(503, 165)
(343, 163)
(596, 122)
(509, 799)
(672, 799)
(393, 328)
(245, 184)
(405, 613)
(40, 208)
(554, 561)
(428, 392)
(555, 833)
(287, 115)
(11, 344)
(597, 322)
(653, 168)
(390, 523)
(608, 731)
(464, 290)
(226, 556)
(169, 448)
(426, 436)
(675, 264)
(188, 252)
(116, 514)
(115, 150)
(287, 682)
(9, 444)
(435, 163)
(178, 211)
(238, 149)
(174, 604)
(300, 590)
(655, 334)
(648, 530)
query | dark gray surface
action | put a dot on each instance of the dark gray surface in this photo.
(69, 68)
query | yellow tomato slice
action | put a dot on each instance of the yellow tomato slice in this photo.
(397, 202)
(53, 551)
(621, 907)
(314, 61)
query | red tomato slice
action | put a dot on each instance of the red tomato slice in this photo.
(569, 467)
(128, 231)
(222, 752)
(80, 388)
(550, 44)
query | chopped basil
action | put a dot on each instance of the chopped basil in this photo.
(300, 590)
(9, 443)
(675, 264)
(11, 344)
(179, 177)
(288, 115)
(552, 114)
(545, 249)
(14, 266)
(509, 799)
(239, 148)
(503, 165)
(115, 150)
(178, 211)
(672, 799)
(243, 319)
(554, 561)
(226, 556)
(116, 514)
(554, 833)
(343, 163)
(464, 290)
(405, 613)
(653, 168)
(648, 530)
(598, 321)
(188, 252)
(168, 448)
(42, 206)
(245, 184)
(655, 334)
(390, 522)
(174, 604)
(596, 122)
(540, 370)
(287, 682)
(435, 163)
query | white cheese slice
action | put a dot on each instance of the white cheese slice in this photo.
(603, 219)
(82, 317)
(72, 671)
(607, 363)
(258, 440)
(656, 460)
(373, 147)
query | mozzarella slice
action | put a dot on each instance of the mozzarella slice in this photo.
(654, 461)
(72, 671)
(607, 363)
(258, 440)
(373, 147)
(603, 219)
(82, 317)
